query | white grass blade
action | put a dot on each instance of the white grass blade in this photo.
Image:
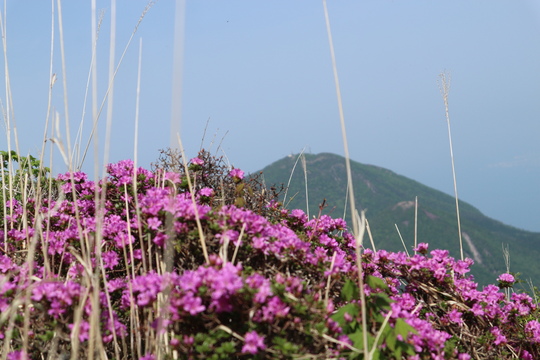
(69, 162)
(290, 177)
(444, 87)
(110, 93)
(358, 224)
(176, 111)
(415, 222)
(401, 237)
(137, 107)
(98, 114)
(304, 167)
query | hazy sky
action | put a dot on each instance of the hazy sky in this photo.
(260, 72)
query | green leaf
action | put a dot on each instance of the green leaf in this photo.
(286, 347)
(350, 291)
(377, 355)
(47, 336)
(357, 338)
(351, 309)
(226, 348)
(390, 339)
(381, 301)
(376, 283)
(404, 329)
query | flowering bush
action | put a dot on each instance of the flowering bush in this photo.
(161, 265)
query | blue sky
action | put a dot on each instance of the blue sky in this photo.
(259, 72)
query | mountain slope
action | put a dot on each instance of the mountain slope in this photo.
(389, 199)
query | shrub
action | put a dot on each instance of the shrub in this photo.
(157, 265)
(21, 176)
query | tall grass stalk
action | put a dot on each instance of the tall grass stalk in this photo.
(506, 256)
(415, 222)
(22, 185)
(111, 86)
(137, 107)
(7, 113)
(27, 187)
(110, 93)
(401, 238)
(368, 229)
(358, 222)
(304, 167)
(52, 78)
(444, 87)
(192, 192)
(136, 138)
(64, 83)
(88, 246)
(93, 70)
(345, 204)
(4, 203)
(92, 79)
(290, 178)
(177, 76)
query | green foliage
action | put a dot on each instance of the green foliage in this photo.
(28, 165)
(216, 345)
(22, 175)
(285, 347)
(380, 330)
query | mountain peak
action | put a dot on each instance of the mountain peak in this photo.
(390, 199)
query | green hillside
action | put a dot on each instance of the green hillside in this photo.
(389, 199)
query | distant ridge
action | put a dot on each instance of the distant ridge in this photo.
(389, 199)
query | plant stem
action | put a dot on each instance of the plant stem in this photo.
(445, 87)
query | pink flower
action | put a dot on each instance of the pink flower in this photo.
(422, 248)
(84, 330)
(237, 174)
(146, 288)
(506, 277)
(197, 161)
(173, 177)
(300, 215)
(110, 259)
(206, 192)
(274, 308)
(345, 340)
(499, 337)
(17, 355)
(154, 223)
(193, 304)
(506, 280)
(532, 328)
(148, 357)
(455, 316)
(253, 343)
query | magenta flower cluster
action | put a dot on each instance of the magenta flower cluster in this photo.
(263, 284)
(237, 174)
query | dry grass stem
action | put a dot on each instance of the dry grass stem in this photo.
(290, 177)
(415, 222)
(358, 228)
(401, 238)
(372, 242)
(304, 167)
(197, 218)
(444, 87)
